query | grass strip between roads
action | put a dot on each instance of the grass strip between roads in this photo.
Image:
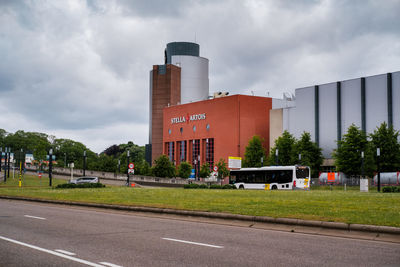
(349, 206)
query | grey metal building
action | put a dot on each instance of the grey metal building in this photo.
(327, 110)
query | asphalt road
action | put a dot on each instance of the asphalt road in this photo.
(48, 235)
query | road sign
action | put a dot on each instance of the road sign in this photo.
(215, 168)
(131, 171)
(131, 166)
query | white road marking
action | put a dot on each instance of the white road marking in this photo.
(51, 252)
(34, 217)
(65, 252)
(193, 243)
(110, 264)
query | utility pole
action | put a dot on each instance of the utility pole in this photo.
(362, 164)
(1, 157)
(276, 156)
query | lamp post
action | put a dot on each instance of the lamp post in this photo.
(65, 160)
(9, 163)
(378, 154)
(276, 156)
(84, 163)
(1, 157)
(50, 166)
(299, 158)
(362, 164)
(127, 168)
(5, 163)
(119, 166)
(262, 161)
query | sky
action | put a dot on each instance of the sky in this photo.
(79, 69)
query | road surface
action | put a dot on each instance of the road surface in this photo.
(49, 235)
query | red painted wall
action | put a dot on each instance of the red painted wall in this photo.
(233, 120)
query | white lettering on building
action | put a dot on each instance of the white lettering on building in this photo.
(194, 117)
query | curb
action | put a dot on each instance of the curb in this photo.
(226, 216)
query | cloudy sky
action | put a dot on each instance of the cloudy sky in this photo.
(80, 69)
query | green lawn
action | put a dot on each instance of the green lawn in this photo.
(349, 206)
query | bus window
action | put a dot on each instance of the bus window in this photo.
(302, 172)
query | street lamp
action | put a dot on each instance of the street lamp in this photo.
(378, 154)
(1, 156)
(9, 162)
(5, 164)
(50, 166)
(84, 162)
(276, 156)
(362, 164)
(300, 158)
(65, 160)
(127, 169)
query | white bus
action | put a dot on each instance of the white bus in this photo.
(271, 178)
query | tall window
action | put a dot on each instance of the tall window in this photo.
(195, 150)
(182, 151)
(210, 152)
(171, 151)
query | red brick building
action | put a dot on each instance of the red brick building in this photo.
(165, 91)
(213, 129)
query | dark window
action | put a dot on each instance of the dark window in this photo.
(302, 172)
(195, 150)
(171, 151)
(210, 152)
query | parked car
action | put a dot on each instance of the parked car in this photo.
(85, 179)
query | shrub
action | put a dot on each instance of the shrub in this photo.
(184, 169)
(205, 170)
(229, 186)
(391, 189)
(191, 186)
(203, 186)
(86, 185)
(215, 186)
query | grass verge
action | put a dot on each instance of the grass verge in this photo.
(349, 206)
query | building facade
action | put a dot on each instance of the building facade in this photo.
(183, 78)
(326, 111)
(214, 129)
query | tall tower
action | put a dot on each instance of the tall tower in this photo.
(182, 79)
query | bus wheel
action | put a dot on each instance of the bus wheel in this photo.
(241, 187)
(274, 187)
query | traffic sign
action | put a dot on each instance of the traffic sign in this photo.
(131, 171)
(215, 168)
(131, 166)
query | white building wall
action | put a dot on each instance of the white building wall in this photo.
(376, 109)
(194, 78)
(396, 100)
(328, 118)
(305, 112)
(351, 104)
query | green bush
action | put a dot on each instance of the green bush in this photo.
(85, 185)
(191, 186)
(184, 170)
(229, 186)
(391, 189)
(215, 186)
(203, 186)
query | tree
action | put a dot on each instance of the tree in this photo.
(286, 153)
(163, 167)
(311, 154)
(205, 170)
(387, 140)
(184, 169)
(254, 152)
(348, 154)
(222, 169)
